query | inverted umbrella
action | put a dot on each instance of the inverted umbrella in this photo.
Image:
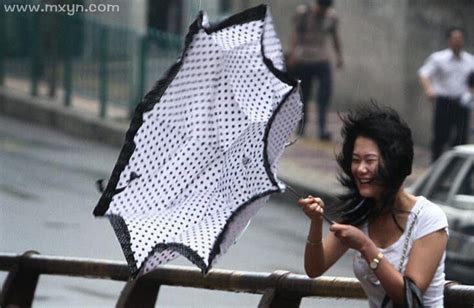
(201, 152)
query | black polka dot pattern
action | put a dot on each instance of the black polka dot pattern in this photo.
(201, 154)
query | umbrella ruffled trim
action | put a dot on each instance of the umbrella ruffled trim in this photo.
(123, 236)
(147, 104)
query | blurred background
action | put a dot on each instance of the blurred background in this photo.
(99, 64)
(115, 55)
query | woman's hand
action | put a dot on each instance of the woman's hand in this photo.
(351, 236)
(313, 207)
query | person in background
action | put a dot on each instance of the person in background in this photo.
(443, 78)
(314, 26)
(468, 98)
(398, 238)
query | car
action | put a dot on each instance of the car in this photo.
(450, 184)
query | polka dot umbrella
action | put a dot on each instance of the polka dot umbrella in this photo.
(201, 152)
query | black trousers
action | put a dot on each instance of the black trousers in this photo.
(321, 71)
(450, 125)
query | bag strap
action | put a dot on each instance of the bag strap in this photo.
(407, 239)
(413, 296)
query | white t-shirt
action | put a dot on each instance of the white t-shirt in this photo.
(448, 74)
(430, 219)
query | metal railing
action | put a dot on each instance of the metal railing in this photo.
(74, 57)
(278, 289)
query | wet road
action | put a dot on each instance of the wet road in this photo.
(47, 194)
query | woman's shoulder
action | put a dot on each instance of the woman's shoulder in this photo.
(429, 208)
(431, 217)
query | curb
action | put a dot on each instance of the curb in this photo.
(41, 111)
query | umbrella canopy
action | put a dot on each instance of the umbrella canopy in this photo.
(201, 152)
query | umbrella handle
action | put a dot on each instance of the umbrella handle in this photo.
(329, 221)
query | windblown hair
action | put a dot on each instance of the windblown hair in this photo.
(393, 137)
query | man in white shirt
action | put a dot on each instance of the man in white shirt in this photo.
(443, 78)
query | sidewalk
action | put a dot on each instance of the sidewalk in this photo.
(308, 165)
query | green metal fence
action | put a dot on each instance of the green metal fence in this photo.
(73, 57)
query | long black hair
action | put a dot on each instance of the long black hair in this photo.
(392, 135)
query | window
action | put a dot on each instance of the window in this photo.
(442, 186)
(467, 185)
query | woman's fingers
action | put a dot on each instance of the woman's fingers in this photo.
(303, 201)
(311, 200)
(337, 227)
(307, 200)
(340, 230)
(317, 208)
(350, 236)
(319, 201)
(312, 207)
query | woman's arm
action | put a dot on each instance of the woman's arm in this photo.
(423, 260)
(425, 256)
(388, 275)
(319, 254)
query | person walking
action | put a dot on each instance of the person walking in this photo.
(399, 239)
(443, 78)
(309, 57)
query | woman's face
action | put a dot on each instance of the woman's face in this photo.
(366, 159)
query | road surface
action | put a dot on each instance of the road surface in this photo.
(47, 195)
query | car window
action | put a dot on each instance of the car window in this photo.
(440, 190)
(464, 196)
(467, 184)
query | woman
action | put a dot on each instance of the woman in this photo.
(394, 233)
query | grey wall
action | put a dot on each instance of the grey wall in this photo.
(374, 36)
